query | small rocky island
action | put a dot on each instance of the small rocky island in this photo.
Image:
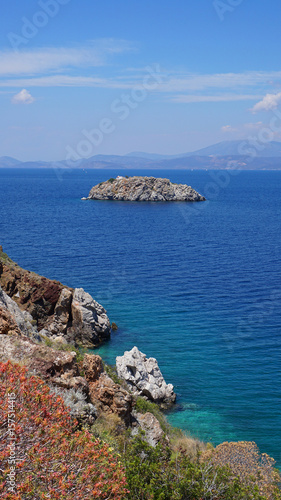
(143, 189)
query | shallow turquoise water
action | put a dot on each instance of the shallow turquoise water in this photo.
(195, 285)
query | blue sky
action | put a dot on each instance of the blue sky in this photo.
(164, 77)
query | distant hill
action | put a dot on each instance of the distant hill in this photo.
(270, 149)
(7, 161)
(218, 156)
(149, 156)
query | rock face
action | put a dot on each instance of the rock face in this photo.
(106, 395)
(42, 360)
(13, 320)
(148, 423)
(143, 189)
(144, 377)
(52, 309)
(90, 324)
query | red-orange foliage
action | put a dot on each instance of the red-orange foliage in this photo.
(54, 461)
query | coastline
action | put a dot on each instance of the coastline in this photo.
(168, 325)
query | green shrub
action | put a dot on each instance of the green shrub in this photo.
(144, 406)
(153, 473)
(112, 373)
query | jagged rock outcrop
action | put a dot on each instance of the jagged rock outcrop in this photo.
(144, 377)
(52, 309)
(69, 315)
(151, 427)
(90, 324)
(92, 367)
(8, 326)
(13, 320)
(143, 189)
(106, 395)
(39, 359)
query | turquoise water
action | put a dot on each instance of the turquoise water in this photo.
(195, 285)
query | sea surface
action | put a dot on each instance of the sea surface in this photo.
(195, 285)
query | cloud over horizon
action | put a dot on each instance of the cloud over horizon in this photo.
(46, 59)
(268, 103)
(23, 97)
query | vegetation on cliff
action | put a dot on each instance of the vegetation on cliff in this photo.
(52, 459)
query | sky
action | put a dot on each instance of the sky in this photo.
(81, 77)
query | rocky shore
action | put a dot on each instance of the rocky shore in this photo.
(143, 189)
(48, 308)
(41, 323)
(102, 406)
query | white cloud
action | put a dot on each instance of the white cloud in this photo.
(254, 126)
(214, 98)
(268, 103)
(228, 128)
(68, 81)
(185, 82)
(242, 129)
(54, 59)
(23, 97)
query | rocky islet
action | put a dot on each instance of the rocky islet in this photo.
(139, 188)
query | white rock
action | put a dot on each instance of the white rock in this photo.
(89, 319)
(144, 377)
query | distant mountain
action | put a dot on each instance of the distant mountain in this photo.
(149, 156)
(270, 149)
(117, 160)
(8, 161)
(223, 155)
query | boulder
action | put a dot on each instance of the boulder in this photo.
(67, 381)
(92, 367)
(144, 377)
(90, 323)
(62, 312)
(148, 423)
(109, 397)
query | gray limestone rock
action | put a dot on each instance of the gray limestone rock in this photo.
(144, 377)
(148, 423)
(90, 323)
(143, 189)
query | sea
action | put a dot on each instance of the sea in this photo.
(195, 285)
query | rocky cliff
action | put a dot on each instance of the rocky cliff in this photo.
(143, 189)
(40, 319)
(50, 308)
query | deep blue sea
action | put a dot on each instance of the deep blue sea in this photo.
(195, 285)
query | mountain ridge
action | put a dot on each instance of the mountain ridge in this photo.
(223, 155)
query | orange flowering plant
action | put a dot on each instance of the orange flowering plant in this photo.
(42, 454)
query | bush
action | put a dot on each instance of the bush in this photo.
(245, 462)
(156, 473)
(112, 373)
(144, 406)
(54, 460)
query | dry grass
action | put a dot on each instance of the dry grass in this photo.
(247, 463)
(191, 446)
